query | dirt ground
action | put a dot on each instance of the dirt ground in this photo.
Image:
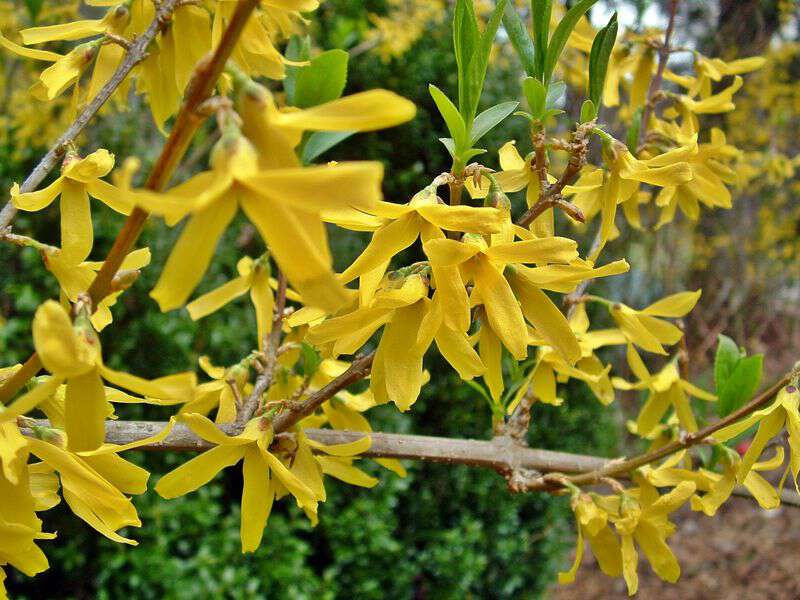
(744, 553)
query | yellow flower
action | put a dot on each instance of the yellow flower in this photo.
(284, 205)
(593, 523)
(265, 475)
(73, 354)
(666, 389)
(223, 393)
(518, 173)
(64, 71)
(253, 277)
(627, 172)
(410, 325)
(79, 179)
(76, 279)
(771, 420)
(643, 327)
(424, 216)
(643, 520)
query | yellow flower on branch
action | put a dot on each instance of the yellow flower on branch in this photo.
(645, 329)
(72, 353)
(265, 474)
(666, 388)
(79, 180)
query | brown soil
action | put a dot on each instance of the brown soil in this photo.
(743, 553)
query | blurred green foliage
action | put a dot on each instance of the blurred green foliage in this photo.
(442, 532)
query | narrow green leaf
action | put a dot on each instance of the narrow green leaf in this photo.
(450, 145)
(542, 11)
(536, 95)
(633, 133)
(496, 410)
(520, 39)
(320, 142)
(728, 354)
(598, 60)
(588, 111)
(466, 37)
(490, 118)
(321, 81)
(310, 360)
(479, 62)
(741, 385)
(561, 35)
(452, 118)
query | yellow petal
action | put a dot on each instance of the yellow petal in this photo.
(63, 352)
(298, 243)
(28, 52)
(456, 349)
(342, 470)
(77, 30)
(216, 299)
(314, 189)
(189, 259)
(540, 250)
(77, 236)
(386, 242)
(347, 449)
(177, 388)
(675, 306)
(30, 400)
(449, 253)
(502, 308)
(197, 472)
(257, 499)
(467, 219)
(33, 201)
(86, 409)
(549, 322)
(365, 111)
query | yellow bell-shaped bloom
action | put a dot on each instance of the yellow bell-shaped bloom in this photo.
(79, 180)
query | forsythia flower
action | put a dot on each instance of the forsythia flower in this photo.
(771, 420)
(643, 327)
(80, 179)
(666, 389)
(408, 316)
(72, 353)
(265, 475)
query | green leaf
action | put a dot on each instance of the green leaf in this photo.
(598, 60)
(490, 118)
(633, 133)
(561, 35)
(310, 360)
(741, 385)
(320, 142)
(321, 81)
(520, 40)
(496, 410)
(479, 61)
(450, 145)
(452, 118)
(536, 94)
(466, 37)
(541, 11)
(728, 354)
(588, 111)
(298, 49)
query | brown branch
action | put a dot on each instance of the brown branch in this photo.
(199, 89)
(655, 84)
(358, 370)
(271, 344)
(136, 52)
(618, 467)
(500, 455)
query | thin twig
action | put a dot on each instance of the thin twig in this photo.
(358, 370)
(135, 54)
(271, 344)
(655, 84)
